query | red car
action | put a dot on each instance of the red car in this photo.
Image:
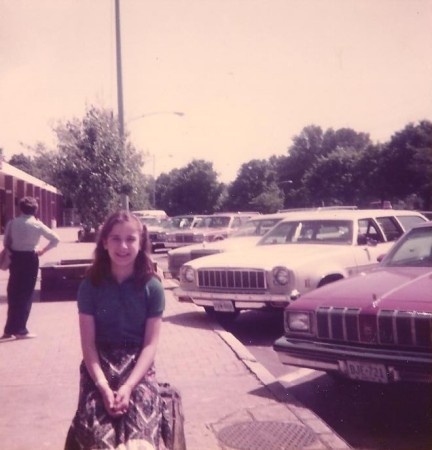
(373, 327)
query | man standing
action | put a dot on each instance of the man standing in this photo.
(22, 236)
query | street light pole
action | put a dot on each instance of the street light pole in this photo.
(119, 70)
(124, 196)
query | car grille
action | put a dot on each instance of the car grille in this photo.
(232, 279)
(184, 238)
(389, 327)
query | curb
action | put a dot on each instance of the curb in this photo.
(327, 435)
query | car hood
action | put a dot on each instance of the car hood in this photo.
(269, 256)
(383, 288)
(154, 228)
(201, 230)
(229, 244)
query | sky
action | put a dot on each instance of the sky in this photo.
(248, 75)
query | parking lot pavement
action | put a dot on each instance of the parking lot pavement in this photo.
(229, 400)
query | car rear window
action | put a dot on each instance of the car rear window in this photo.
(409, 222)
(391, 228)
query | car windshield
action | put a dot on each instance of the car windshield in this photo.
(181, 222)
(310, 232)
(214, 222)
(414, 250)
(258, 227)
(151, 221)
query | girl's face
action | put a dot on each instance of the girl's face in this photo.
(123, 244)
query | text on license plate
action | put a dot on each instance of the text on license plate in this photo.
(367, 371)
(223, 305)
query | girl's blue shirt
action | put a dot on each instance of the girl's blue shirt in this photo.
(120, 310)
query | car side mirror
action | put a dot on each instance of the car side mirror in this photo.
(381, 257)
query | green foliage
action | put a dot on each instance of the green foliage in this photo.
(322, 167)
(332, 179)
(39, 166)
(94, 166)
(255, 181)
(269, 201)
(192, 189)
(22, 162)
(407, 163)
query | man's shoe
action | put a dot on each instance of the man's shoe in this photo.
(26, 336)
(7, 338)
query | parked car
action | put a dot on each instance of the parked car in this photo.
(151, 212)
(156, 227)
(211, 228)
(180, 225)
(247, 235)
(427, 214)
(372, 327)
(306, 250)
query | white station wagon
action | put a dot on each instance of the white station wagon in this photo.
(304, 251)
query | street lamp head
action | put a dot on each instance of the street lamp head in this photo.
(157, 113)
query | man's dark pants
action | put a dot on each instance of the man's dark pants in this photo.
(22, 281)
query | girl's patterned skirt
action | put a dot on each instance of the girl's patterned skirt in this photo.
(139, 429)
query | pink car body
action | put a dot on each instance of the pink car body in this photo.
(375, 326)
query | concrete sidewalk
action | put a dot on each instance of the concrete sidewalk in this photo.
(230, 401)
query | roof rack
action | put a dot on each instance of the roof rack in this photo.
(318, 208)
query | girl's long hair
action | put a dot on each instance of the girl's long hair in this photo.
(101, 267)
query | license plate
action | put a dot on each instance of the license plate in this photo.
(367, 371)
(223, 305)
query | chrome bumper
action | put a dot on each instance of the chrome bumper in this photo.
(401, 366)
(240, 301)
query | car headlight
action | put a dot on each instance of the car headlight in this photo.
(188, 274)
(198, 238)
(281, 275)
(297, 321)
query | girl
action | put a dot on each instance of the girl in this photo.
(120, 314)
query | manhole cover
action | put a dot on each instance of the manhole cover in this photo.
(266, 435)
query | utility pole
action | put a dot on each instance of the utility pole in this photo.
(124, 196)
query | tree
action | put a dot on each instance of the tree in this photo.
(269, 201)
(255, 182)
(22, 162)
(308, 152)
(407, 164)
(141, 195)
(332, 180)
(371, 176)
(93, 166)
(192, 189)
